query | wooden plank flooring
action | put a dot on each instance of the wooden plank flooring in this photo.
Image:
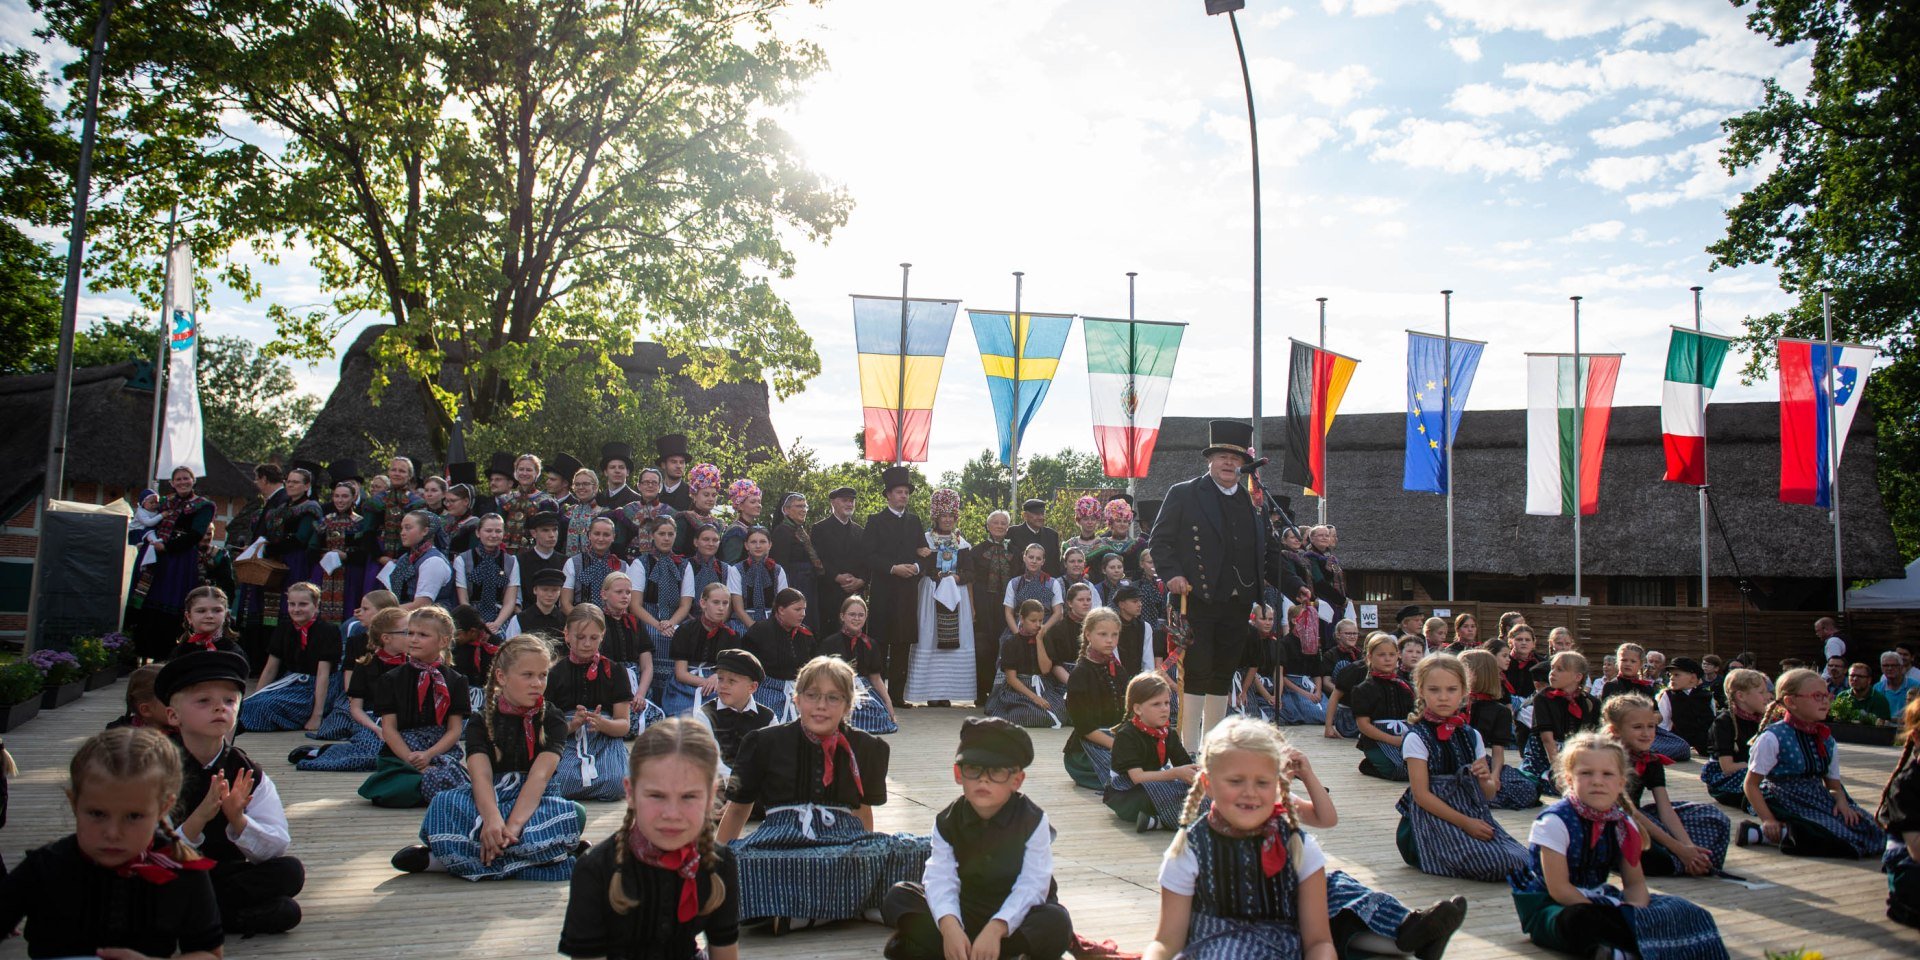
(355, 902)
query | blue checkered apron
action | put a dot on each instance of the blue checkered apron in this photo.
(1383, 913)
(1298, 709)
(1673, 928)
(641, 717)
(663, 575)
(1796, 790)
(356, 754)
(1727, 787)
(1517, 790)
(284, 704)
(1343, 722)
(1244, 702)
(545, 851)
(1443, 849)
(1707, 828)
(1667, 928)
(674, 697)
(1669, 744)
(1215, 938)
(1169, 797)
(869, 714)
(338, 723)
(1533, 763)
(1385, 758)
(820, 862)
(777, 696)
(592, 766)
(1014, 708)
(1251, 916)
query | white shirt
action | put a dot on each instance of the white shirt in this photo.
(266, 834)
(1665, 706)
(942, 878)
(1179, 870)
(1596, 685)
(1415, 748)
(430, 576)
(639, 570)
(733, 578)
(462, 568)
(1013, 586)
(1836, 646)
(1549, 833)
(1765, 755)
(1224, 491)
(572, 569)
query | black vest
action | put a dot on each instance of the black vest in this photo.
(1693, 715)
(1242, 563)
(988, 854)
(732, 726)
(196, 780)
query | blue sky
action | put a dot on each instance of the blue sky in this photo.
(1516, 151)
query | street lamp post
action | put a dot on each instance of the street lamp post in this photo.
(1215, 7)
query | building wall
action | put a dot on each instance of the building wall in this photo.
(1723, 592)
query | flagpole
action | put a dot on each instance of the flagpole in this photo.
(1323, 468)
(900, 398)
(1013, 425)
(160, 348)
(1579, 397)
(1833, 443)
(1132, 392)
(1699, 355)
(1446, 423)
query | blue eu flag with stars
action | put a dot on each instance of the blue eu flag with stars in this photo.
(1426, 464)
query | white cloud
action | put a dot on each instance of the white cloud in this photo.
(1363, 123)
(1604, 231)
(1274, 18)
(1338, 88)
(1281, 80)
(1487, 100)
(1466, 48)
(1618, 173)
(1631, 134)
(1462, 147)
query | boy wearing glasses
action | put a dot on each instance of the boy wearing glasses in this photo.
(989, 887)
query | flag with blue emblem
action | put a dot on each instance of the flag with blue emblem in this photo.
(1430, 431)
(182, 438)
(1020, 353)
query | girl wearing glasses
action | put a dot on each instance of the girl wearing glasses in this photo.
(1793, 780)
(816, 858)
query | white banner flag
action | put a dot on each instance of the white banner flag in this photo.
(181, 439)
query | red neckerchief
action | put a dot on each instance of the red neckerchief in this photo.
(414, 555)
(303, 628)
(479, 647)
(794, 635)
(857, 639)
(159, 868)
(390, 659)
(1642, 760)
(529, 718)
(1111, 662)
(1159, 735)
(713, 629)
(204, 641)
(431, 679)
(592, 665)
(1739, 714)
(1506, 684)
(827, 746)
(1273, 853)
(1573, 703)
(684, 861)
(1815, 729)
(630, 621)
(1597, 822)
(1637, 681)
(1526, 663)
(1393, 678)
(1443, 727)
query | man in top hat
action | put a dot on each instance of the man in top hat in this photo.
(894, 540)
(1034, 529)
(673, 461)
(559, 474)
(616, 463)
(841, 544)
(499, 474)
(1411, 620)
(1210, 545)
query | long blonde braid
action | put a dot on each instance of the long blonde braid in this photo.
(510, 651)
(673, 737)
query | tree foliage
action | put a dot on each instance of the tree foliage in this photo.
(34, 155)
(1841, 207)
(494, 176)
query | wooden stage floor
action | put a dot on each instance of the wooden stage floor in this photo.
(357, 906)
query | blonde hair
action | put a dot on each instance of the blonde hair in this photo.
(1378, 639)
(1483, 672)
(673, 737)
(615, 575)
(1428, 664)
(140, 687)
(1571, 658)
(134, 753)
(380, 599)
(1096, 615)
(310, 589)
(1742, 680)
(511, 650)
(1622, 706)
(1633, 648)
(1788, 685)
(587, 613)
(442, 624)
(388, 620)
(1427, 627)
(1585, 742)
(854, 600)
(1250, 734)
(832, 671)
(1146, 686)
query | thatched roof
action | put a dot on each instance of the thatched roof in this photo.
(108, 428)
(1645, 527)
(348, 421)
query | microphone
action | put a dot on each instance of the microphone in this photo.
(1255, 465)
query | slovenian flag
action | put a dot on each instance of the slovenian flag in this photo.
(1553, 434)
(1316, 381)
(1805, 475)
(1693, 367)
(1129, 373)
(900, 359)
(1020, 351)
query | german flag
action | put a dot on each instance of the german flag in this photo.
(1316, 381)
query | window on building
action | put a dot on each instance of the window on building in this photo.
(1640, 591)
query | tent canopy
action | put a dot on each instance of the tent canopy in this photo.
(1894, 594)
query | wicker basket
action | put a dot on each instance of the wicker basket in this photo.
(256, 572)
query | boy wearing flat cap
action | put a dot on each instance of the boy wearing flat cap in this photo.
(1686, 705)
(989, 887)
(733, 712)
(544, 615)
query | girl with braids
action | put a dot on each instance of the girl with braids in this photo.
(748, 504)
(525, 829)
(1025, 693)
(1380, 704)
(696, 650)
(1899, 813)
(856, 646)
(420, 575)
(816, 857)
(578, 510)
(362, 748)
(784, 644)
(1150, 769)
(665, 602)
(487, 576)
(342, 535)
(1491, 716)
(1563, 709)
(522, 501)
(585, 571)
(206, 618)
(626, 642)
(1688, 838)
(1793, 779)
(300, 678)
(1725, 771)
(759, 577)
(1565, 902)
(423, 705)
(1629, 657)
(596, 694)
(123, 883)
(660, 880)
(1096, 700)
(1242, 880)
(1446, 827)
(159, 595)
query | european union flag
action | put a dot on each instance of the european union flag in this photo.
(1426, 463)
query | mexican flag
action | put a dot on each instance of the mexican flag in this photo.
(1553, 434)
(1129, 372)
(1693, 367)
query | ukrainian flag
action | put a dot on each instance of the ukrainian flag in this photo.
(900, 374)
(1024, 349)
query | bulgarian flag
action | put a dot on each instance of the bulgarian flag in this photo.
(1316, 381)
(1129, 372)
(1693, 367)
(1553, 433)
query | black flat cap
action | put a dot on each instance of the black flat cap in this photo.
(1686, 665)
(1126, 592)
(847, 493)
(993, 742)
(550, 577)
(1034, 506)
(200, 666)
(740, 662)
(1410, 610)
(545, 518)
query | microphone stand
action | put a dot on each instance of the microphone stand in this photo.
(1269, 506)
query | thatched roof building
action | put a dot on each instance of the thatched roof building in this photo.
(1642, 547)
(348, 424)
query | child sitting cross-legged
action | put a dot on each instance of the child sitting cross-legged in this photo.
(1151, 768)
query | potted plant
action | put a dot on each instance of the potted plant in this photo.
(19, 693)
(96, 664)
(61, 681)
(1850, 724)
(125, 657)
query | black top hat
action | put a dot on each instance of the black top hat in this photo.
(742, 662)
(315, 472)
(847, 493)
(616, 450)
(896, 477)
(1686, 665)
(1145, 512)
(1034, 506)
(346, 469)
(500, 464)
(198, 667)
(671, 445)
(463, 472)
(1229, 436)
(550, 577)
(545, 518)
(994, 743)
(1410, 610)
(564, 466)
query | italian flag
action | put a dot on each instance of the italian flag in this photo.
(1693, 367)
(1553, 433)
(1129, 372)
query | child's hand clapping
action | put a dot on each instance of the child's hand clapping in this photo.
(234, 797)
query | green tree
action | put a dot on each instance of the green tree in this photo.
(495, 176)
(34, 155)
(1841, 207)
